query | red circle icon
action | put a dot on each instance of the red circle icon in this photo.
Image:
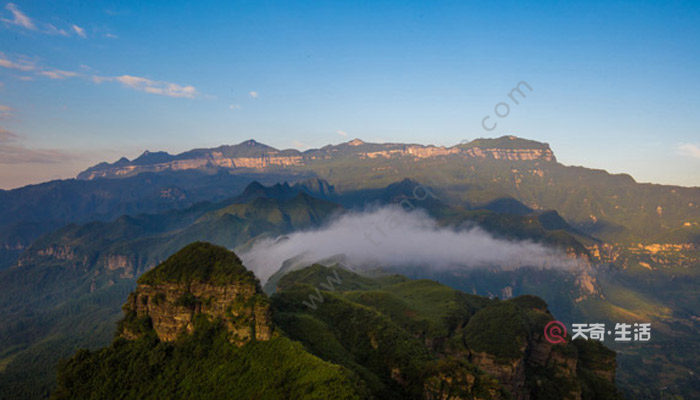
(555, 332)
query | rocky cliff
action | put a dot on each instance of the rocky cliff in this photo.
(251, 155)
(200, 281)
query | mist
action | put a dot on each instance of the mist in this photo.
(393, 237)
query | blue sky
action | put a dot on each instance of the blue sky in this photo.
(616, 85)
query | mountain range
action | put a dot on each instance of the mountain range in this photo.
(199, 326)
(73, 250)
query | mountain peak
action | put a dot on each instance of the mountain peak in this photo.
(356, 142)
(199, 280)
(199, 262)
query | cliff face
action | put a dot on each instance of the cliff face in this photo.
(563, 364)
(173, 308)
(257, 156)
(171, 298)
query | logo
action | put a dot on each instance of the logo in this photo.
(555, 332)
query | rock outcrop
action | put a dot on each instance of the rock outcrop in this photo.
(200, 281)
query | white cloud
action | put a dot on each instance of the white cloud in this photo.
(22, 64)
(18, 17)
(134, 82)
(21, 19)
(79, 31)
(253, 94)
(155, 87)
(392, 237)
(234, 107)
(341, 133)
(58, 74)
(52, 30)
(689, 150)
(111, 36)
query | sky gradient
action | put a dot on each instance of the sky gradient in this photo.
(616, 85)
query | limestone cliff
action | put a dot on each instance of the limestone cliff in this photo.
(200, 281)
(251, 155)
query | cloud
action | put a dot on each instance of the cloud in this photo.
(392, 237)
(18, 17)
(22, 20)
(5, 113)
(21, 64)
(79, 31)
(689, 150)
(52, 30)
(111, 36)
(134, 82)
(155, 87)
(7, 136)
(253, 94)
(341, 133)
(15, 153)
(58, 74)
(11, 154)
(234, 107)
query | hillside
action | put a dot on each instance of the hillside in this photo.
(31, 211)
(378, 340)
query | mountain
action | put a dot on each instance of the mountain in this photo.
(68, 286)
(199, 281)
(31, 211)
(69, 283)
(252, 155)
(72, 250)
(198, 326)
(610, 207)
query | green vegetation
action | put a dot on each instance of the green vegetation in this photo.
(385, 338)
(213, 264)
(424, 330)
(203, 366)
(54, 302)
(483, 332)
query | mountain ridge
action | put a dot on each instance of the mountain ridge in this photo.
(251, 154)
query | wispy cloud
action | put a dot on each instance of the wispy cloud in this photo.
(253, 94)
(58, 74)
(341, 133)
(111, 36)
(689, 150)
(12, 152)
(5, 113)
(156, 87)
(6, 136)
(79, 31)
(18, 17)
(161, 88)
(22, 20)
(22, 64)
(234, 107)
(52, 30)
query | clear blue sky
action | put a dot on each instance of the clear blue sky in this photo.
(616, 85)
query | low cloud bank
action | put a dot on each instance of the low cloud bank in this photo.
(392, 237)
